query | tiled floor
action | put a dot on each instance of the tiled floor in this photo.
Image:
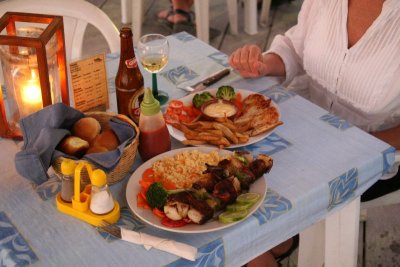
(379, 244)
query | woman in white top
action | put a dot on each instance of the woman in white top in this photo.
(349, 50)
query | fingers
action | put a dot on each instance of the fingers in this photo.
(248, 61)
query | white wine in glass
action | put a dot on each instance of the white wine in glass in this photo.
(154, 63)
(153, 50)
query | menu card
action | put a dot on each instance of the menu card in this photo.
(89, 83)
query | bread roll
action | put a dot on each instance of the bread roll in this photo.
(87, 129)
(96, 149)
(107, 139)
(73, 146)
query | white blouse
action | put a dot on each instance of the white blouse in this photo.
(360, 84)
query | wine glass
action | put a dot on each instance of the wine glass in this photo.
(153, 52)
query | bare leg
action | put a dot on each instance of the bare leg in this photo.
(282, 248)
(267, 259)
(264, 260)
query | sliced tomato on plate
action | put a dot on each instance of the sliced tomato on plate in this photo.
(159, 213)
(167, 184)
(176, 104)
(185, 118)
(173, 224)
(171, 118)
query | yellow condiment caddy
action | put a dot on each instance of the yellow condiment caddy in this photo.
(79, 207)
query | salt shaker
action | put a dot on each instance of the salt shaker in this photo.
(67, 179)
(101, 200)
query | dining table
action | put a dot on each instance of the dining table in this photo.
(321, 166)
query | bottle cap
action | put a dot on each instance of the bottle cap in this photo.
(149, 105)
(98, 178)
(68, 167)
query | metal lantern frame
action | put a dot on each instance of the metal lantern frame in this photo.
(54, 26)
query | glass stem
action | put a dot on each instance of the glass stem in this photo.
(154, 81)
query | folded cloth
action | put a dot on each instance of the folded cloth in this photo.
(43, 130)
(148, 241)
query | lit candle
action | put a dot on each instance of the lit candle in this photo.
(31, 95)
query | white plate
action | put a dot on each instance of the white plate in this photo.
(178, 135)
(147, 216)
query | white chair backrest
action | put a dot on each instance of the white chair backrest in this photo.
(76, 14)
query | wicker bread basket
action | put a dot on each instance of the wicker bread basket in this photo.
(128, 156)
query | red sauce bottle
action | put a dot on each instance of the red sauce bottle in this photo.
(154, 137)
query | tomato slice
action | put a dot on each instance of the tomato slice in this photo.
(185, 118)
(141, 201)
(171, 118)
(159, 213)
(171, 223)
(148, 175)
(167, 184)
(176, 104)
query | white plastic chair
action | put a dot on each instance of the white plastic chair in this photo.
(132, 11)
(388, 199)
(77, 14)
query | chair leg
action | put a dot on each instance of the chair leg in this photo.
(250, 16)
(233, 16)
(202, 19)
(126, 11)
(264, 16)
(137, 19)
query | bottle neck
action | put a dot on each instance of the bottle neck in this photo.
(127, 51)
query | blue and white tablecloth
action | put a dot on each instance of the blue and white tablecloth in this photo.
(320, 164)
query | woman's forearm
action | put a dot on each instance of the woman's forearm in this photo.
(275, 64)
(390, 136)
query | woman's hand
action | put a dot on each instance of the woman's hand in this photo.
(248, 61)
(251, 63)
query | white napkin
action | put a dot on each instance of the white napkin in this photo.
(180, 249)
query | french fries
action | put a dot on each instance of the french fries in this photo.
(257, 117)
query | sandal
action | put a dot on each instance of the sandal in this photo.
(165, 22)
(293, 247)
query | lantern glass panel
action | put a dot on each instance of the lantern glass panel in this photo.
(21, 76)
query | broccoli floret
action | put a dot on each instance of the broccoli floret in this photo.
(207, 96)
(226, 92)
(156, 195)
(199, 99)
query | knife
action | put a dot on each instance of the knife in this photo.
(213, 78)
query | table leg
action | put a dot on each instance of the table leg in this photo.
(333, 242)
(126, 12)
(201, 8)
(137, 19)
(250, 17)
(341, 232)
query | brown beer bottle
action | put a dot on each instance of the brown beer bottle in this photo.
(129, 80)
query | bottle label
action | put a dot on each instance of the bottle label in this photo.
(131, 63)
(134, 105)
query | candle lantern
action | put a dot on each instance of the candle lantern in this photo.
(32, 54)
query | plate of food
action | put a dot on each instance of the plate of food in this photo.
(222, 117)
(198, 189)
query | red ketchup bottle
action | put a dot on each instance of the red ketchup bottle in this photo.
(154, 137)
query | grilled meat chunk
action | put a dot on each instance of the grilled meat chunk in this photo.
(227, 190)
(198, 211)
(245, 177)
(261, 165)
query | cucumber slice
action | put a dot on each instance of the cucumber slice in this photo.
(232, 216)
(239, 206)
(248, 198)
